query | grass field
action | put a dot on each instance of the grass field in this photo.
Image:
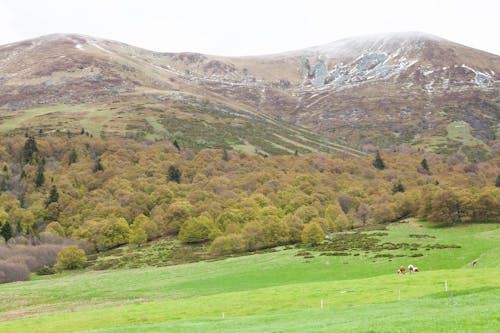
(281, 291)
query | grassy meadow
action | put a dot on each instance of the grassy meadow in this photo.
(282, 290)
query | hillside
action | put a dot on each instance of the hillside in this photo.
(280, 291)
(363, 92)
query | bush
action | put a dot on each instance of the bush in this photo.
(10, 272)
(71, 257)
(232, 243)
(46, 270)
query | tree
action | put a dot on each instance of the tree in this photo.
(73, 157)
(6, 231)
(196, 230)
(29, 149)
(232, 243)
(312, 234)
(344, 202)
(398, 187)
(53, 196)
(174, 174)
(425, 165)
(40, 177)
(378, 162)
(363, 212)
(98, 165)
(55, 228)
(138, 235)
(225, 155)
(143, 222)
(71, 257)
(497, 183)
(176, 145)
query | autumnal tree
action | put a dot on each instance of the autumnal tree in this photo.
(55, 228)
(363, 213)
(71, 257)
(312, 234)
(447, 207)
(145, 223)
(196, 230)
(138, 235)
(225, 244)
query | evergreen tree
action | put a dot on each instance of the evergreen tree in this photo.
(98, 165)
(424, 165)
(378, 162)
(73, 157)
(53, 196)
(296, 152)
(29, 149)
(176, 145)
(398, 187)
(174, 174)
(40, 177)
(6, 231)
(497, 183)
(82, 131)
(225, 155)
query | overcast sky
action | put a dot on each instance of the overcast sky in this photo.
(252, 27)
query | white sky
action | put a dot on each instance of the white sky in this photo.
(228, 27)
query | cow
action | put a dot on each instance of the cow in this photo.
(411, 268)
(401, 270)
(474, 262)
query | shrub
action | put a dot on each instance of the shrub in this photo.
(10, 272)
(71, 257)
(232, 243)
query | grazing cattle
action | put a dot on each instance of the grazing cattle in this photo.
(411, 269)
(415, 269)
(474, 263)
(401, 270)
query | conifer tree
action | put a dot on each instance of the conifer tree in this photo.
(53, 196)
(73, 157)
(6, 231)
(176, 145)
(497, 183)
(398, 187)
(29, 149)
(98, 165)
(425, 165)
(174, 174)
(40, 177)
(225, 155)
(378, 162)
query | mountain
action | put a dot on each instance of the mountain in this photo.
(366, 92)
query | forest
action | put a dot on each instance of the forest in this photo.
(68, 189)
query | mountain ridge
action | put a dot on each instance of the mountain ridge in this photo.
(365, 91)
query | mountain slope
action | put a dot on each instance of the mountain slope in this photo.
(368, 91)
